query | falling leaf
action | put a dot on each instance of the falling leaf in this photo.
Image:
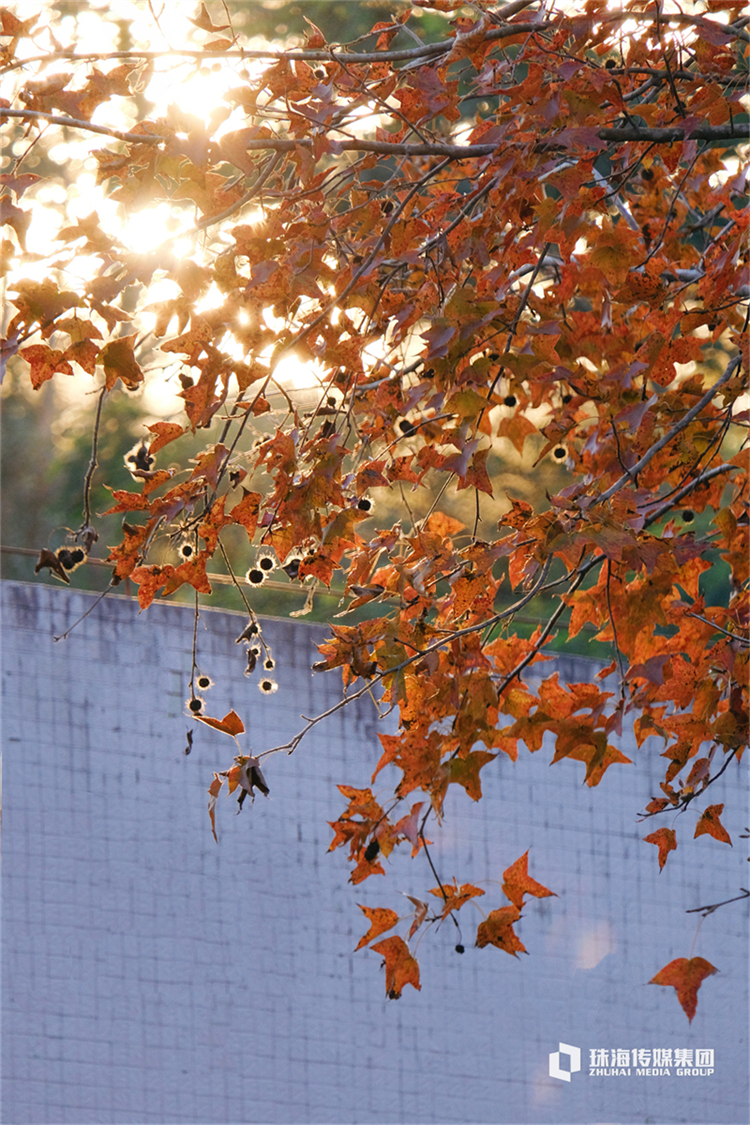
(686, 976)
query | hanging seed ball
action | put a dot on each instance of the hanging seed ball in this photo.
(688, 515)
(195, 705)
(255, 576)
(559, 453)
(510, 400)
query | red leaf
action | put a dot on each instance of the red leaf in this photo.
(665, 840)
(246, 512)
(517, 883)
(710, 825)
(686, 976)
(230, 724)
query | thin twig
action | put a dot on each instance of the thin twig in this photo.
(66, 634)
(92, 463)
(706, 910)
(379, 676)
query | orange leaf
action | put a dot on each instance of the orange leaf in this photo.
(165, 432)
(710, 825)
(44, 362)
(150, 579)
(213, 792)
(230, 724)
(665, 840)
(400, 967)
(687, 977)
(246, 512)
(380, 921)
(497, 930)
(517, 883)
(454, 897)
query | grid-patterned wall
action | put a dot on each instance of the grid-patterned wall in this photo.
(153, 976)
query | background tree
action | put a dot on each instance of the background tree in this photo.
(386, 285)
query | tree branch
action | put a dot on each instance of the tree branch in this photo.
(384, 673)
(75, 123)
(676, 429)
(389, 148)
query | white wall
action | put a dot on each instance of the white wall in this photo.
(153, 976)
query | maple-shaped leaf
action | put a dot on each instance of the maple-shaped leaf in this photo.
(665, 840)
(454, 897)
(231, 723)
(710, 825)
(246, 512)
(380, 920)
(119, 362)
(165, 432)
(517, 882)
(149, 579)
(686, 976)
(44, 362)
(364, 869)
(465, 771)
(400, 967)
(497, 930)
